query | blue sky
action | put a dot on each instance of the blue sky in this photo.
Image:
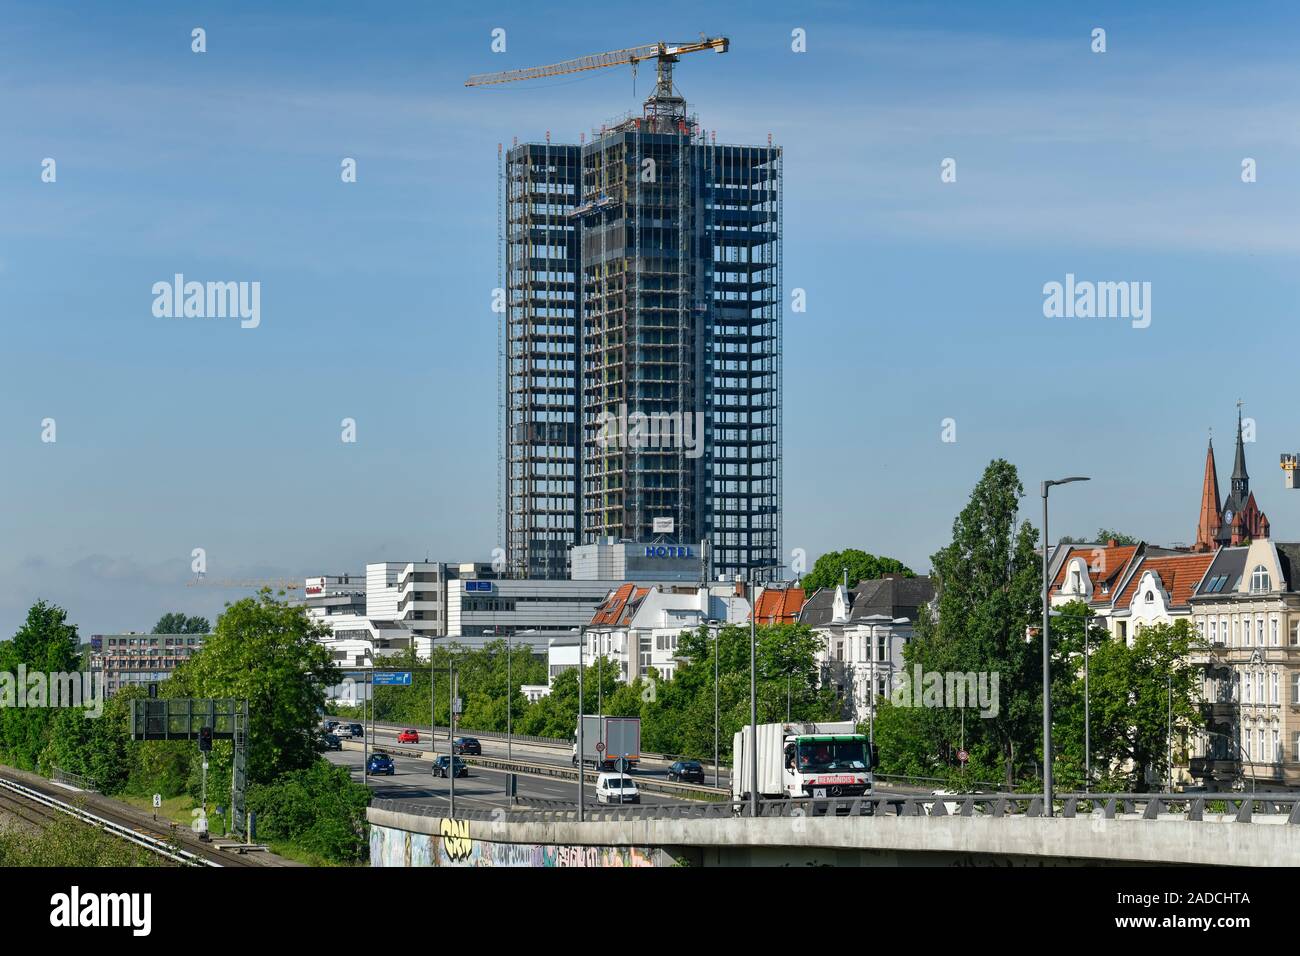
(924, 298)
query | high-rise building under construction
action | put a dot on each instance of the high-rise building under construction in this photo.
(642, 345)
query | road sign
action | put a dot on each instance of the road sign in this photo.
(963, 756)
(157, 800)
(457, 706)
(621, 765)
(600, 746)
(392, 678)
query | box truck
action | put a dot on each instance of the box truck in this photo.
(826, 759)
(605, 739)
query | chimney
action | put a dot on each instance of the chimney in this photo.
(740, 587)
(1112, 543)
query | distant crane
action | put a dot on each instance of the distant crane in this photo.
(664, 108)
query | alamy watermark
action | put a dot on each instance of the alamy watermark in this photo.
(37, 690)
(1084, 299)
(947, 689)
(656, 430)
(179, 299)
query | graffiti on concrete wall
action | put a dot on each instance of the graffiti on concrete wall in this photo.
(454, 846)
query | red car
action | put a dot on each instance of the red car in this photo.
(408, 736)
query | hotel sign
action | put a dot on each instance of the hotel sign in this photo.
(668, 551)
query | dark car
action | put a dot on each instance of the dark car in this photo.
(380, 764)
(329, 725)
(440, 766)
(687, 771)
(467, 745)
(330, 742)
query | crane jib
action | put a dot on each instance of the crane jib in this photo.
(633, 55)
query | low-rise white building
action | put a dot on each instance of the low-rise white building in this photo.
(638, 627)
(863, 631)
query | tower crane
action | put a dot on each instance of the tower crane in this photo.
(663, 103)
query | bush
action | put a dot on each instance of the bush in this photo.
(67, 843)
(318, 809)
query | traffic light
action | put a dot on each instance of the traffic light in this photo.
(205, 739)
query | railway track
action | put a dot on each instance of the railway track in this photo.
(38, 807)
(25, 810)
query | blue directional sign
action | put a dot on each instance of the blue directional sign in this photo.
(478, 585)
(393, 678)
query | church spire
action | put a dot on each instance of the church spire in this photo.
(1208, 526)
(1240, 479)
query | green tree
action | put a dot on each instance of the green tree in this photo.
(678, 715)
(318, 808)
(481, 681)
(177, 623)
(1106, 534)
(98, 748)
(1132, 688)
(268, 653)
(47, 644)
(987, 582)
(828, 570)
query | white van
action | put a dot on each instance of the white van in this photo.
(612, 788)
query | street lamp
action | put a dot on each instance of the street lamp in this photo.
(581, 759)
(753, 686)
(715, 626)
(510, 693)
(1047, 662)
(874, 621)
(753, 703)
(1087, 716)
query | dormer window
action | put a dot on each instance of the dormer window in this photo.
(1150, 597)
(1259, 580)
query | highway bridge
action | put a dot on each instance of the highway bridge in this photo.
(969, 830)
(543, 770)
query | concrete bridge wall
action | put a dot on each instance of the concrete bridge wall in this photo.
(839, 841)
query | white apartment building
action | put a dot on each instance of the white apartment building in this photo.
(638, 627)
(1247, 608)
(863, 631)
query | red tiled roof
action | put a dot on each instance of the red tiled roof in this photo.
(779, 605)
(618, 605)
(1178, 573)
(1105, 568)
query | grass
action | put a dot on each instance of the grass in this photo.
(296, 853)
(178, 810)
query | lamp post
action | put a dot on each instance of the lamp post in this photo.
(753, 703)
(716, 754)
(510, 692)
(581, 762)
(451, 725)
(1087, 707)
(1047, 661)
(1087, 716)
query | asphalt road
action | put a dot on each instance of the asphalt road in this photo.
(494, 747)
(537, 753)
(414, 780)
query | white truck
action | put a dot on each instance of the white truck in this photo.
(826, 759)
(605, 739)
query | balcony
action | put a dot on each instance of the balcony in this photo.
(1222, 769)
(1220, 712)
